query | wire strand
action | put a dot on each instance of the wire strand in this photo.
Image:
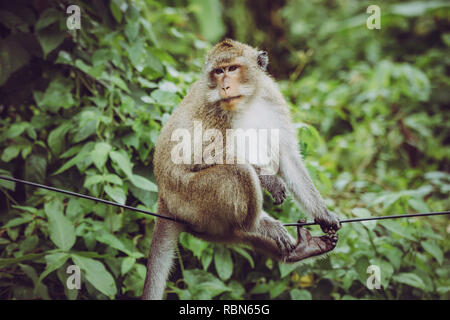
(71, 193)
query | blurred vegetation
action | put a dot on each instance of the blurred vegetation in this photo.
(81, 110)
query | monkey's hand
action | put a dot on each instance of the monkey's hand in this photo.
(275, 186)
(328, 222)
(309, 246)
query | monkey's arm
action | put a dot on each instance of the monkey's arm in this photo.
(298, 181)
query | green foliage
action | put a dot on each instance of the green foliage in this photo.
(82, 109)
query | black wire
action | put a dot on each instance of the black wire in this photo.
(70, 193)
(374, 218)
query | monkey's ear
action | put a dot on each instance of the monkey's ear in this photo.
(263, 60)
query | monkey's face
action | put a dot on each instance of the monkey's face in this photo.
(233, 70)
(229, 80)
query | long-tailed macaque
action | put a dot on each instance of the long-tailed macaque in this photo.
(221, 200)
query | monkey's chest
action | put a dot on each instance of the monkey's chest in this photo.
(256, 137)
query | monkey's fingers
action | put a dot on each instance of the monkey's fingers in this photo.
(302, 233)
(328, 222)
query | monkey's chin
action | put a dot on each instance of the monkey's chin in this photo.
(231, 105)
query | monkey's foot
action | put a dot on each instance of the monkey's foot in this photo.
(279, 196)
(275, 230)
(276, 188)
(309, 246)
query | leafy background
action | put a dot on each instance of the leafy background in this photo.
(81, 110)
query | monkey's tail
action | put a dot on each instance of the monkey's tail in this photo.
(160, 260)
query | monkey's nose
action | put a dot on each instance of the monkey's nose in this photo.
(225, 88)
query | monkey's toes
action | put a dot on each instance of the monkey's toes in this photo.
(285, 245)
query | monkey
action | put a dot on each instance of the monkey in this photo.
(222, 202)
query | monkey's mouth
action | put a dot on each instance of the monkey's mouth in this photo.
(231, 98)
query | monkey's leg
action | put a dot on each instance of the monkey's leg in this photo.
(268, 236)
(162, 249)
(271, 237)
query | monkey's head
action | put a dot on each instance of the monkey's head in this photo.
(232, 70)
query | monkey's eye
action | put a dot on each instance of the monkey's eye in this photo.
(232, 68)
(218, 71)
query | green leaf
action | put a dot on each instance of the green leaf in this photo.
(94, 179)
(135, 278)
(143, 183)
(7, 184)
(203, 285)
(112, 178)
(116, 193)
(418, 205)
(206, 258)
(127, 265)
(223, 262)
(396, 227)
(54, 261)
(17, 221)
(119, 83)
(11, 152)
(416, 8)
(97, 275)
(196, 245)
(287, 268)
(27, 209)
(114, 5)
(297, 294)
(48, 17)
(278, 287)
(364, 213)
(15, 130)
(27, 257)
(116, 243)
(165, 98)
(57, 95)
(123, 163)
(61, 229)
(36, 168)
(410, 279)
(245, 254)
(50, 38)
(56, 138)
(29, 243)
(100, 154)
(432, 248)
(393, 254)
(40, 289)
(75, 160)
(209, 17)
